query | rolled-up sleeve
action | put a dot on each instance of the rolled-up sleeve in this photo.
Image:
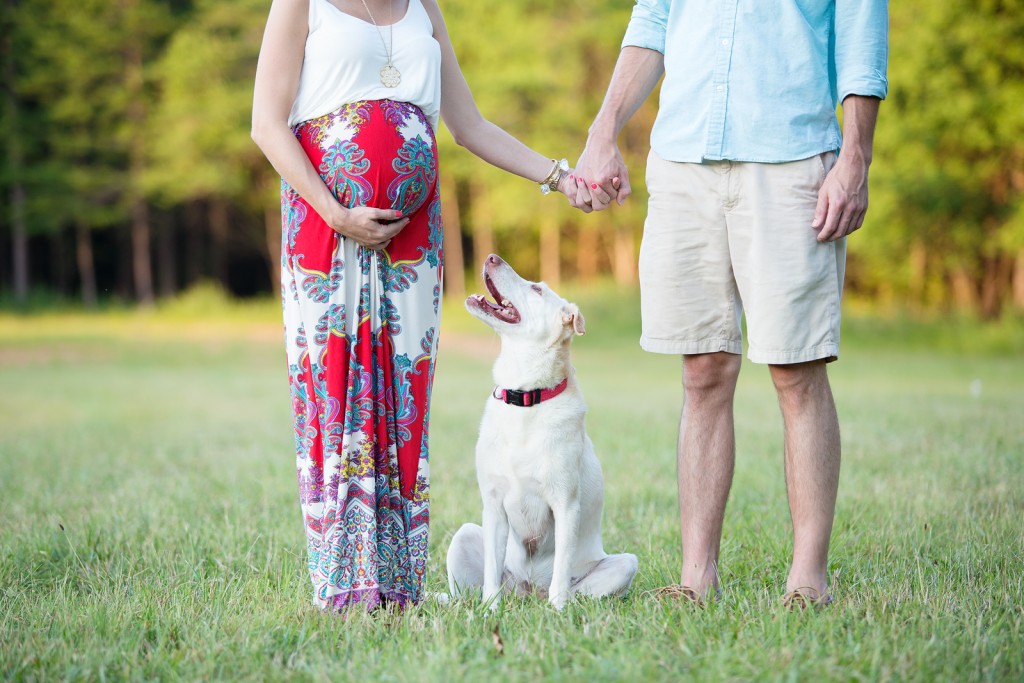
(648, 24)
(862, 48)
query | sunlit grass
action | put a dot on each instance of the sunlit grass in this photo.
(151, 529)
(205, 311)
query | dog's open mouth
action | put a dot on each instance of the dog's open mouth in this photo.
(501, 308)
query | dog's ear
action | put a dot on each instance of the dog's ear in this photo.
(571, 316)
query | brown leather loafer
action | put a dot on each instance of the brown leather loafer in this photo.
(799, 599)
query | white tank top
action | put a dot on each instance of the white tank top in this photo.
(344, 56)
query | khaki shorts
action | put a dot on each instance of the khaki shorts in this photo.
(725, 238)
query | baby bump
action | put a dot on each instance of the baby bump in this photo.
(379, 153)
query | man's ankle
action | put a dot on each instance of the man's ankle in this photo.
(703, 581)
(814, 580)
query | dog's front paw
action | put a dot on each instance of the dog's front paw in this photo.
(492, 600)
(558, 600)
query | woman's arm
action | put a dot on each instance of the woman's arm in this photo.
(277, 81)
(470, 129)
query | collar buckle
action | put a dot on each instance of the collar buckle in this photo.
(521, 398)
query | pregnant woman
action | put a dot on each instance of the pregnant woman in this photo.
(347, 99)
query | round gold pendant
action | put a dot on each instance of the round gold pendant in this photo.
(390, 76)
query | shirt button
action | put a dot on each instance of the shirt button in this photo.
(724, 41)
(719, 88)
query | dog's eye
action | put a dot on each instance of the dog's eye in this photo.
(537, 289)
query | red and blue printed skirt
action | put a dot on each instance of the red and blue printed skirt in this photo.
(361, 331)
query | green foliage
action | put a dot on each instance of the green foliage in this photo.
(208, 301)
(945, 229)
(948, 173)
(199, 132)
(77, 69)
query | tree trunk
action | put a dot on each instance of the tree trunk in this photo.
(454, 260)
(995, 282)
(220, 228)
(272, 232)
(1018, 282)
(58, 263)
(194, 266)
(142, 260)
(19, 243)
(624, 256)
(123, 254)
(587, 244)
(965, 296)
(483, 235)
(19, 227)
(5, 256)
(550, 250)
(917, 262)
(86, 264)
(167, 258)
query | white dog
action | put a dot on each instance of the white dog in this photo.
(540, 481)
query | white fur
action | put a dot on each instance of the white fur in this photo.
(539, 478)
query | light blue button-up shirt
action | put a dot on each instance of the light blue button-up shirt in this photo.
(759, 80)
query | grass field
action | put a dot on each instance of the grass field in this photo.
(150, 528)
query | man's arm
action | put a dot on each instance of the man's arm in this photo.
(862, 52)
(603, 173)
(843, 197)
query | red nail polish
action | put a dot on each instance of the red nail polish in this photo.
(593, 186)
(398, 214)
(570, 177)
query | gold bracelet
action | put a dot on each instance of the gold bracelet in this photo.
(558, 171)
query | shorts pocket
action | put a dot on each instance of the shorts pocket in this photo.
(826, 160)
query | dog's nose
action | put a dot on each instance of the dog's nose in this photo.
(493, 259)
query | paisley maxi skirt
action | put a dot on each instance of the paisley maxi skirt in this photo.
(361, 332)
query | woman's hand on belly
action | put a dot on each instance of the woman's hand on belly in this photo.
(372, 228)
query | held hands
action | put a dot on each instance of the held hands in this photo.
(842, 199)
(372, 228)
(567, 186)
(601, 176)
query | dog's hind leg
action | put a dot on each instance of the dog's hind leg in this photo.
(612, 576)
(466, 560)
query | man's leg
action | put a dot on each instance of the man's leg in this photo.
(706, 454)
(812, 455)
(690, 306)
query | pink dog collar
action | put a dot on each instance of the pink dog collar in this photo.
(529, 397)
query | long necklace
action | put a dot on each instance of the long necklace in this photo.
(390, 76)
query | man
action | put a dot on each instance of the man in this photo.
(750, 206)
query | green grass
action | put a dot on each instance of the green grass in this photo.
(150, 528)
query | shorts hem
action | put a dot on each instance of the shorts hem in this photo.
(826, 352)
(688, 347)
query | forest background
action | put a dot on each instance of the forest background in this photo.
(129, 173)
